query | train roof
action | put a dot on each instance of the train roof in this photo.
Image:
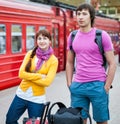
(105, 16)
(40, 7)
(26, 5)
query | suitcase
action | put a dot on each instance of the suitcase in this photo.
(38, 120)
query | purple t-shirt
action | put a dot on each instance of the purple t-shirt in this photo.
(88, 57)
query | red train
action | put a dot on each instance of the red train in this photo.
(19, 21)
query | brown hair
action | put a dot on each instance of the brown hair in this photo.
(45, 33)
(88, 7)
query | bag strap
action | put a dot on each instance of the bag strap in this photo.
(60, 105)
(98, 41)
(72, 38)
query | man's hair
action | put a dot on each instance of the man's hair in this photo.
(88, 7)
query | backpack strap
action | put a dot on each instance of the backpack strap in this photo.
(60, 105)
(72, 38)
(98, 41)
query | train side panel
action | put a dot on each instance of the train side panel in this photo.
(19, 22)
(18, 25)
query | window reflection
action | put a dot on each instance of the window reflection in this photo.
(30, 37)
(2, 39)
(16, 38)
(55, 37)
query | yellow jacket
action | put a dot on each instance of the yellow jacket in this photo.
(34, 79)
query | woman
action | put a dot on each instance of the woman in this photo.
(37, 72)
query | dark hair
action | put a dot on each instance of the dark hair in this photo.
(45, 33)
(88, 7)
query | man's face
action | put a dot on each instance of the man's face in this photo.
(83, 18)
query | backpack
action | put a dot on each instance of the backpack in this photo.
(98, 41)
(66, 115)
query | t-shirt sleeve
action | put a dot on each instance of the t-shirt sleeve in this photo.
(106, 41)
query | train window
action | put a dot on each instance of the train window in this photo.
(118, 10)
(52, 38)
(112, 11)
(104, 11)
(42, 27)
(2, 39)
(16, 38)
(116, 37)
(30, 37)
(55, 37)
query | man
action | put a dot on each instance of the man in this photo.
(90, 83)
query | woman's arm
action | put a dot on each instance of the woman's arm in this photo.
(47, 79)
(27, 75)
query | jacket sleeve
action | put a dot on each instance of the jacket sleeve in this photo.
(28, 75)
(50, 75)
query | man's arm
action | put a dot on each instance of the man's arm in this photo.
(70, 66)
(111, 69)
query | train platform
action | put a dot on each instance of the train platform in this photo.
(58, 91)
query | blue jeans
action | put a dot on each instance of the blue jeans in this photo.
(19, 106)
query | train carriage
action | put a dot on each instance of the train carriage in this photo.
(112, 27)
(19, 22)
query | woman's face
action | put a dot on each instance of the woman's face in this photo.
(43, 42)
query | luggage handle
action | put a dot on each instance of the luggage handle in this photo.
(44, 115)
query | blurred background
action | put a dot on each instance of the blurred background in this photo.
(109, 7)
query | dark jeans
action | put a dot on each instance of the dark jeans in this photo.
(19, 106)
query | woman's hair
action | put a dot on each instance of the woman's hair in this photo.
(88, 7)
(43, 32)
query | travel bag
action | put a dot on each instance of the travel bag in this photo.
(66, 115)
(38, 120)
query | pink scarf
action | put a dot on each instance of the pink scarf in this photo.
(42, 56)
